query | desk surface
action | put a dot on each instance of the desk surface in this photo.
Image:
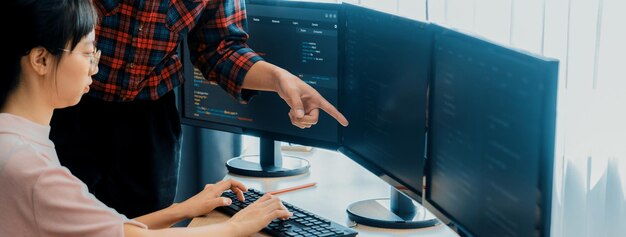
(340, 181)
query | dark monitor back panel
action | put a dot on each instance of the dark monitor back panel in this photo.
(491, 137)
(386, 69)
(300, 37)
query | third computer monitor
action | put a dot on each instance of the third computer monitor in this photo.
(491, 137)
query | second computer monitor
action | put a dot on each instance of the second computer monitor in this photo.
(386, 70)
(491, 137)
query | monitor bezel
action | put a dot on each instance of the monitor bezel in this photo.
(302, 140)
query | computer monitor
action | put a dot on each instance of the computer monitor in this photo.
(491, 137)
(385, 73)
(301, 37)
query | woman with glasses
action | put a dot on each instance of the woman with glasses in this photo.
(124, 138)
(50, 63)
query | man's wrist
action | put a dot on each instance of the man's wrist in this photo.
(279, 74)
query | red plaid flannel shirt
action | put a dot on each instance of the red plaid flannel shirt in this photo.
(139, 38)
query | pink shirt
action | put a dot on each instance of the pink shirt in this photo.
(38, 196)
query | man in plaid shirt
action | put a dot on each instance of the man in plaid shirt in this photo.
(123, 138)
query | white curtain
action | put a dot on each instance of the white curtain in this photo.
(589, 39)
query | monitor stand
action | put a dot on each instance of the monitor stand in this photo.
(270, 162)
(397, 212)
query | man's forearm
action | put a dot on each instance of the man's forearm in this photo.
(263, 76)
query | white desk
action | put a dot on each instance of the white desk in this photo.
(340, 181)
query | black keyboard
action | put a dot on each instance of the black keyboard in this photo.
(301, 224)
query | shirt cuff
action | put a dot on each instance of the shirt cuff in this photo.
(243, 60)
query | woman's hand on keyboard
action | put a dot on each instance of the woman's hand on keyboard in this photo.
(210, 198)
(258, 215)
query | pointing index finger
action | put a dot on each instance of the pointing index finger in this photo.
(332, 111)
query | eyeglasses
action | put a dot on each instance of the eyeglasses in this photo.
(94, 57)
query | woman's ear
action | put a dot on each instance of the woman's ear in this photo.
(39, 59)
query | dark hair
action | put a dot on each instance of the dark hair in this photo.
(51, 24)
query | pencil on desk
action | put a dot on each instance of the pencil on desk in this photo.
(292, 188)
